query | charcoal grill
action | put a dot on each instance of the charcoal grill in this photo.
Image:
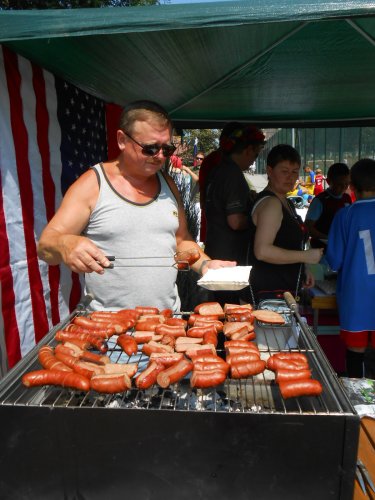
(240, 440)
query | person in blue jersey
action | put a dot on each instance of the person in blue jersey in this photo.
(350, 252)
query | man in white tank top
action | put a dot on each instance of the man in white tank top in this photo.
(126, 208)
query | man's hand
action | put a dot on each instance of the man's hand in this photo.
(82, 256)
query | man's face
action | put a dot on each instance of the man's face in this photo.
(146, 133)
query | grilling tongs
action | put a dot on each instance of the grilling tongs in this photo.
(182, 260)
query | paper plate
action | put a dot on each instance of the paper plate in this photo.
(226, 278)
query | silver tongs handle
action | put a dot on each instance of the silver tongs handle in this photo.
(181, 265)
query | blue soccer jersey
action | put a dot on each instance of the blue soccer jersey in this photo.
(350, 251)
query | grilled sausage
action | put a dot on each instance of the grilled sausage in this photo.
(203, 349)
(55, 377)
(209, 308)
(152, 346)
(147, 310)
(167, 313)
(242, 358)
(95, 341)
(110, 383)
(194, 317)
(293, 356)
(129, 368)
(291, 375)
(207, 378)
(165, 358)
(82, 367)
(275, 364)
(174, 373)
(201, 366)
(49, 362)
(147, 378)
(176, 322)
(94, 325)
(199, 331)
(204, 322)
(240, 316)
(127, 343)
(247, 369)
(102, 332)
(210, 338)
(298, 388)
(175, 331)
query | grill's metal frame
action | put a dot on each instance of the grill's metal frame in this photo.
(247, 443)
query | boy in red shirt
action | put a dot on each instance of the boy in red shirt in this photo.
(319, 182)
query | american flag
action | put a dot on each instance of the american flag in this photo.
(50, 133)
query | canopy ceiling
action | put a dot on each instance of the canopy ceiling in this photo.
(271, 62)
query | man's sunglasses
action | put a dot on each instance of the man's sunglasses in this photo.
(153, 149)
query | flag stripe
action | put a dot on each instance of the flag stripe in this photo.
(24, 178)
(12, 336)
(42, 122)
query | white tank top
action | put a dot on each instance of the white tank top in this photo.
(137, 231)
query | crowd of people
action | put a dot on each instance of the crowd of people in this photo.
(132, 207)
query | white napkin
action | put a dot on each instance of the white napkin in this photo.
(226, 278)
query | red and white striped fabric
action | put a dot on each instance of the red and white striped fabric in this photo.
(35, 296)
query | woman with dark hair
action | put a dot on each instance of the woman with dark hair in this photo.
(277, 234)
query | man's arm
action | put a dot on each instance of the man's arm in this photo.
(61, 240)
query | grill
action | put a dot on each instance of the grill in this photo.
(239, 440)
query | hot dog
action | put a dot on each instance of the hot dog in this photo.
(188, 340)
(240, 316)
(110, 383)
(176, 331)
(165, 358)
(147, 310)
(95, 341)
(290, 375)
(194, 317)
(230, 351)
(82, 367)
(203, 322)
(247, 369)
(169, 340)
(209, 308)
(103, 332)
(236, 326)
(147, 378)
(83, 355)
(201, 366)
(55, 377)
(152, 346)
(293, 356)
(176, 322)
(210, 378)
(242, 358)
(82, 344)
(298, 388)
(167, 313)
(127, 343)
(94, 325)
(141, 337)
(228, 308)
(129, 368)
(241, 343)
(199, 331)
(147, 325)
(174, 373)
(48, 360)
(274, 363)
(209, 358)
(204, 349)
(210, 338)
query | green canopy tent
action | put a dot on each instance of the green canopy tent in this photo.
(271, 62)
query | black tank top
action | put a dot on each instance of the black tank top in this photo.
(265, 277)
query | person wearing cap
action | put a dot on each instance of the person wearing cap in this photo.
(228, 199)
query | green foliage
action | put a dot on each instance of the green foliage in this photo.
(71, 4)
(208, 140)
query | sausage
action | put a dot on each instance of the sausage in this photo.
(209, 378)
(209, 308)
(93, 325)
(95, 341)
(176, 322)
(186, 258)
(201, 366)
(129, 368)
(119, 324)
(247, 369)
(194, 317)
(203, 349)
(49, 362)
(147, 310)
(84, 368)
(147, 378)
(69, 348)
(127, 343)
(152, 346)
(56, 377)
(103, 332)
(203, 322)
(165, 358)
(83, 355)
(176, 331)
(92, 357)
(167, 313)
(238, 334)
(169, 340)
(188, 340)
(174, 373)
(209, 358)
(235, 326)
(229, 308)
(110, 383)
(274, 364)
(141, 337)
(293, 389)
(210, 338)
(289, 375)
(293, 356)
(241, 343)
(240, 316)
(81, 344)
(146, 325)
(199, 331)
(242, 358)
(230, 351)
